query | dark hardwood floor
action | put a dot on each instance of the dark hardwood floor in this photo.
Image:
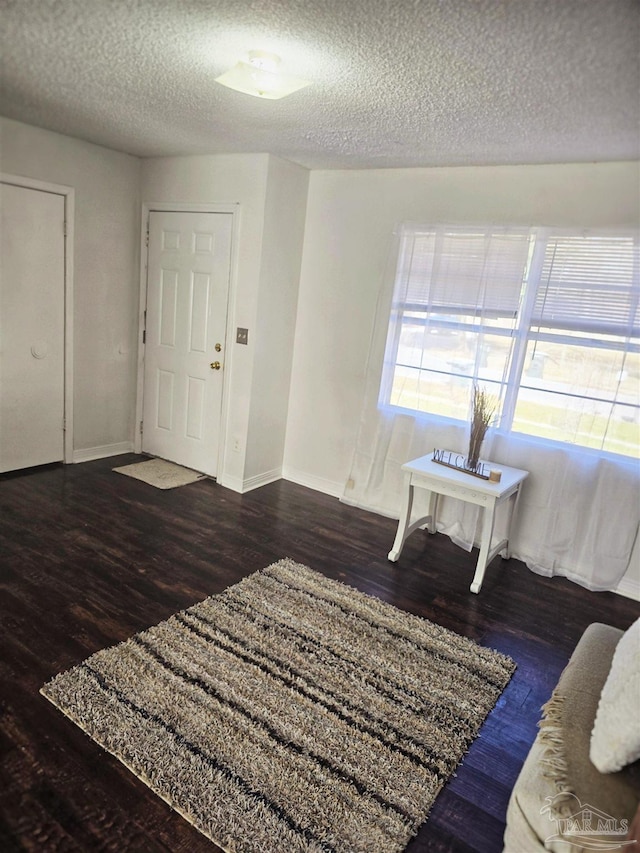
(89, 557)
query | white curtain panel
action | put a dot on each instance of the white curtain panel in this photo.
(578, 516)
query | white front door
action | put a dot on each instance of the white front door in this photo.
(188, 268)
(32, 294)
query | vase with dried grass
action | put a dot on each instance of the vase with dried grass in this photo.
(484, 407)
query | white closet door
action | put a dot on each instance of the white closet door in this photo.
(31, 327)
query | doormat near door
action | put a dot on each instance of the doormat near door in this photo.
(290, 713)
(160, 473)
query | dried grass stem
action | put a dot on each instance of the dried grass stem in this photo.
(484, 407)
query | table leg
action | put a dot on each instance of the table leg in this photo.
(433, 511)
(512, 510)
(488, 519)
(403, 521)
(505, 553)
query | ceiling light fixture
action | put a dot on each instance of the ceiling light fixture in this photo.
(259, 76)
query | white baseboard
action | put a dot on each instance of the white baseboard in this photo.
(241, 486)
(630, 588)
(90, 453)
(233, 483)
(319, 484)
(261, 479)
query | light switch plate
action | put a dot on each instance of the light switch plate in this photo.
(242, 336)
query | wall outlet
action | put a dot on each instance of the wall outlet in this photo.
(242, 336)
(235, 445)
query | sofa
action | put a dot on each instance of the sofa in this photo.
(561, 800)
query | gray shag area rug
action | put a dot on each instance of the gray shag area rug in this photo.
(290, 713)
(160, 473)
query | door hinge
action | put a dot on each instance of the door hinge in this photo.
(141, 427)
(64, 227)
(147, 237)
(64, 424)
(144, 336)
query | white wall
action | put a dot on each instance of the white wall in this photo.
(351, 216)
(107, 228)
(284, 218)
(266, 262)
(270, 195)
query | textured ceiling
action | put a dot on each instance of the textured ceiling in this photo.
(395, 82)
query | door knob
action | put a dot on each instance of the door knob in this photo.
(215, 365)
(218, 347)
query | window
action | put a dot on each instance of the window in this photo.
(546, 320)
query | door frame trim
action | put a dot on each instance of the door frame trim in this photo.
(68, 194)
(168, 207)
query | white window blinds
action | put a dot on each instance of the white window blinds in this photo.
(454, 270)
(589, 284)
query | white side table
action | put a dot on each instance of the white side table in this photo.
(424, 473)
